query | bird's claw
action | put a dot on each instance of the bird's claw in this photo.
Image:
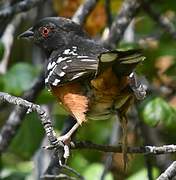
(62, 142)
(57, 144)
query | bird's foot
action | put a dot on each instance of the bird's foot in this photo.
(64, 142)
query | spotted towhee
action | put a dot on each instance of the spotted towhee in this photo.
(89, 80)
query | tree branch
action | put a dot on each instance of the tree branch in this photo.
(155, 150)
(7, 40)
(83, 11)
(163, 21)
(169, 173)
(126, 14)
(19, 7)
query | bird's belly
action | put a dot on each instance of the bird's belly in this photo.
(100, 110)
(109, 94)
(105, 108)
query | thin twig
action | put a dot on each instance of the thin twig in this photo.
(19, 7)
(124, 17)
(7, 40)
(169, 173)
(83, 11)
(155, 150)
(163, 21)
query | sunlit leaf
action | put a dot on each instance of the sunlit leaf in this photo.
(157, 110)
(19, 78)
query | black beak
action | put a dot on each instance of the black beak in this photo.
(27, 34)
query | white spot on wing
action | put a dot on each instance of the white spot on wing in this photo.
(131, 75)
(50, 73)
(62, 74)
(65, 67)
(46, 80)
(56, 81)
(67, 51)
(87, 60)
(82, 56)
(51, 65)
(71, 51)
(77, 75)
(60, 59)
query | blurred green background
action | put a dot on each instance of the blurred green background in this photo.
(154, 122)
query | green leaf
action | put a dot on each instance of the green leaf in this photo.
(157, 110)
(94, 171)
(29, 137)
(83, 162)
(19, 78)
(171, 71)
(15, 169)
(45, 97)
(142, 174)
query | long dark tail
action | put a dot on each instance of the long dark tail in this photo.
(124, 122)
(122, 62)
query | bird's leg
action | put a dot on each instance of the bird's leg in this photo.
(65, 140)
(66, 137)
(138, 88)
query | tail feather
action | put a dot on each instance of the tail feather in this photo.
(124, 141)
(122, 62)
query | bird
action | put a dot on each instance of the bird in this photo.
(89, 80)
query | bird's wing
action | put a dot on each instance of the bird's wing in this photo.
(69, 67)
(122, 62)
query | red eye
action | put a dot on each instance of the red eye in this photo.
(45, 31)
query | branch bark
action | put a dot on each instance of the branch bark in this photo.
(7, 40)
(122, 20)
(155, 150)
(83, 11)
(19, 7)
(161, 20)
(169, 173)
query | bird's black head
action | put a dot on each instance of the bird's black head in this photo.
(54, 32)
